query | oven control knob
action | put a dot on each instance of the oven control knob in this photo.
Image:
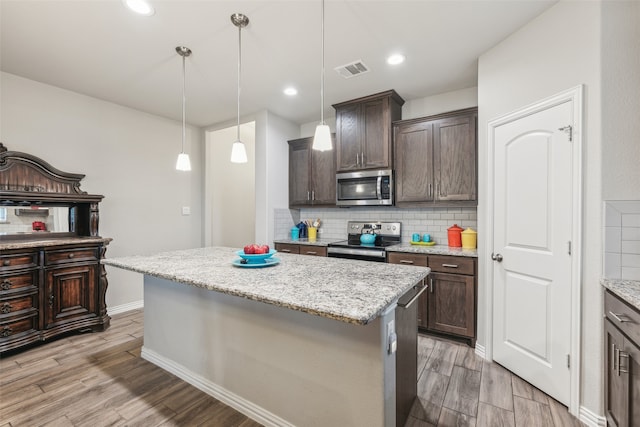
(394, 228)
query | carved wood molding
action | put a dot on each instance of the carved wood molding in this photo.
(22, 172)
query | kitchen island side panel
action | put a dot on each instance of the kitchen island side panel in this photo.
(304, 369)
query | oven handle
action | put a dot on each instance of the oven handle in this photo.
(379, 188)
(415, 297)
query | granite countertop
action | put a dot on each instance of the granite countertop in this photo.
(433, 250)
(50, 241)
(347, 290)
(628, 290)
(305, 241)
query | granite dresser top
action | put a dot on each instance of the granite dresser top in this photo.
(628, 290)
(347, 290)
(433, 250)
(317, 242)
(52, 241)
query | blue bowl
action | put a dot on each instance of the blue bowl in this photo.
(255, 258)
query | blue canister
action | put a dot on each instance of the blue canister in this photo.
(426, 238)
(295, 233)
(415, 237)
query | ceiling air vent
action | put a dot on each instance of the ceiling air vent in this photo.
(353, 69)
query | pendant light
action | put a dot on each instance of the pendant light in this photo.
(183, 163)
(322, 137)
(238, 150)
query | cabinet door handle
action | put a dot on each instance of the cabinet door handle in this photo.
(357, 159)
(406, 261)
(51, 300)
(619, 317)
(6, 308)
(622, 354)
(313, 194)
(430, 190)
(6, 285)
(308, 196)
(362, 158)
(431, 284)
(450, 265)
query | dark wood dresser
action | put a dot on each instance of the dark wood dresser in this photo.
(51, 278)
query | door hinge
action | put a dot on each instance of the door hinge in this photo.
(568, 130)
(568, 361)
(569, 247)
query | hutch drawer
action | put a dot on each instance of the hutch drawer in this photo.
(71, 255)
(11, 284)
(11, 306)
(15, 326)
(18, 260)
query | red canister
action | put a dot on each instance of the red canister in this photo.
(454, 234)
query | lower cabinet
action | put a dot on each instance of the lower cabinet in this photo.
(302, 249)
(46, 291)
(622, 363)
(450, 304)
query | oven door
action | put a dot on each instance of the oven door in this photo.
(377, 255)
(365, 188)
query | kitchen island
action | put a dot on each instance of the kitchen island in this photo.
(305, 342)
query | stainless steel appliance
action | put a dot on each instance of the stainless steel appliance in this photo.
(386, 234)
(365, 188)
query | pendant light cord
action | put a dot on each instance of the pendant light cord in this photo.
(322, 67)
(184, 101)
(239, 70)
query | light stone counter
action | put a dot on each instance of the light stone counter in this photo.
(52, 241)
(433, 250)
(305, 241)
(628, 290)
(346, 290)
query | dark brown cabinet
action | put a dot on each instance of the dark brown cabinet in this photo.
(436, 159)
(450, 304)
(312, 175)
(302, 249)
(622, 363)
(363, 131)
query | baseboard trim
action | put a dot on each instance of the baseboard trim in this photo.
(480, 351)
(251, 410)
(592, 419)
(125, 307)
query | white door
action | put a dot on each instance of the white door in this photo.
(532, 231)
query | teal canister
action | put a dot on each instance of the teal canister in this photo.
(295, 233)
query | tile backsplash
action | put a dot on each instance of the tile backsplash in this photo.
(622, 239)
(434, 221)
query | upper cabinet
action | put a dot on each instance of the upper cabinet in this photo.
(312, 174)
(363, 131)
(436, 159)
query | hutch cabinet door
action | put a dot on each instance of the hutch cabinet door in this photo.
(451, 302)
(71, 294)
(375, 138)
(455, 158)
(349, 148)
(299, 166)
(414, 162)
(323, 175)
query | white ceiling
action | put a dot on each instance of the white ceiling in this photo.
(101, 49)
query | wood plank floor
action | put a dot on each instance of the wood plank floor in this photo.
(100, 380)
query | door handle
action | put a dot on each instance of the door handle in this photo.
(496, 257)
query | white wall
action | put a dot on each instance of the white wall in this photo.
(620, 100)
(558, 50)
(272, 170)
(229, 188)
(127, 155)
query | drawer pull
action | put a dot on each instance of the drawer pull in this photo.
(619, 317)
(311, 253)
(71, 255)
(406, 261)
(6, 308)
(285, 250)
(450, 265)
(6, 262)
(6, 331)
(6, 285)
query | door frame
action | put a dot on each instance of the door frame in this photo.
(575, 96)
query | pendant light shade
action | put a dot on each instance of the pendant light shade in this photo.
(322, 137)
(183, 163)
(238, 150)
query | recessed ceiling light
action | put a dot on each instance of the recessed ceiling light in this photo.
(395, 59)
(141, 7)
(291, 91)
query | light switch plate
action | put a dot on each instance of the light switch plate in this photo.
(186, 210)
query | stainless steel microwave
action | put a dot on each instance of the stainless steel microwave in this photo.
(365, 188)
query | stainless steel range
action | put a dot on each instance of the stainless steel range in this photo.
(386, 234)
